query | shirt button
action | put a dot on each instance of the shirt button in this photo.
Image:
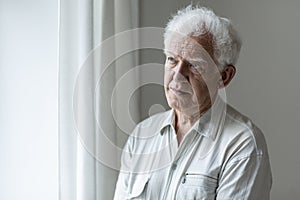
(183, 180)
(173, 167)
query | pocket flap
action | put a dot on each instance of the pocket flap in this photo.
(200, 180)
(139, 185)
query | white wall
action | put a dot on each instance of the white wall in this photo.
(266, 87)
(267, 83)
(28, 100)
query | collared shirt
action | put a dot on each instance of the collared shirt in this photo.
(223, 156)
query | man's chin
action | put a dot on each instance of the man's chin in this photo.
(187, 109)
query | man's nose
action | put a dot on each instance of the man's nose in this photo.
(181, 71)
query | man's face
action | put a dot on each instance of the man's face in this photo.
(191, 77)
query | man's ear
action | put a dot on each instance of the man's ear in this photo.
(227, 75)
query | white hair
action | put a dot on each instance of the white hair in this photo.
(196, 21)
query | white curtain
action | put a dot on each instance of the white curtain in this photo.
(93, 124)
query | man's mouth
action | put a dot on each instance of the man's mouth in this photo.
(178, 91)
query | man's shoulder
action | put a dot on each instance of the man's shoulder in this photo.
(146, 134)
(241, 130)
(235, 119)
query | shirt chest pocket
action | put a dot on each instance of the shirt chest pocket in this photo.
(139, 188)
(195, 186)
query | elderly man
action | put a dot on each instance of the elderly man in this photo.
(202, 148)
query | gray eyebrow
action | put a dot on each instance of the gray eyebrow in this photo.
(197, 60)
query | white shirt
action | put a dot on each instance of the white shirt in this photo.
(224, 156)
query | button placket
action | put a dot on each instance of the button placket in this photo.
(183, 150)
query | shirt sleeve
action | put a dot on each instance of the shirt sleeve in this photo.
(122, 187)
(246, 178)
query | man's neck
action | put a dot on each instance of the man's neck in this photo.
(184, 122)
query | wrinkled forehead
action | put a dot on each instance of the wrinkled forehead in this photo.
(189, 47)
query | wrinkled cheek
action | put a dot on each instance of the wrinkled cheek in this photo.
(212, 90)
(206, 88)
(167, 76)
(195, 100)
(204, 95)
(166, 82)
(211, 84)
(172, 100)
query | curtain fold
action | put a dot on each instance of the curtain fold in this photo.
(93, 118)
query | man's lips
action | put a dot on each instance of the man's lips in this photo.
(178, 91)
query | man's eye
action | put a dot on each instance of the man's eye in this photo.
(171, 60)
(194, 66)
(200, 66)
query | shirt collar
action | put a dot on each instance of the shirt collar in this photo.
(208, 124)
(169, 120)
